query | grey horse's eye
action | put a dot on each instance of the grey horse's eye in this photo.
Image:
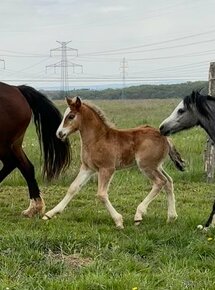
(181, 111)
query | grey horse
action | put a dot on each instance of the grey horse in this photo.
(193, 110)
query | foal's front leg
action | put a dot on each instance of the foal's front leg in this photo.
(104, 178)
(82, 177)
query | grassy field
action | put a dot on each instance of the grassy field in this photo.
(81, 249)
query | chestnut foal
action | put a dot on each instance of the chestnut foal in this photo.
(105, 149)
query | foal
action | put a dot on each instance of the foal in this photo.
(105, 149)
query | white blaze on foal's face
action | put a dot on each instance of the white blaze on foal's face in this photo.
(70, 122)
(62, 131)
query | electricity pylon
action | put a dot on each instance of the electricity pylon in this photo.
(123, 68)
(64, 63)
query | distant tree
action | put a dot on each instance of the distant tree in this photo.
(136, 92)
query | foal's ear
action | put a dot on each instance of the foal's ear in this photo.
(78, 103)
(69, 101)
(74, 102)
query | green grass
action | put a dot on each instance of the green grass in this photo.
(81, 249)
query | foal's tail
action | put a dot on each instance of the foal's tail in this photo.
(175, 156)
(47, 119)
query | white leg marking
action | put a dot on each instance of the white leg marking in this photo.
(82, 177)
(114, 214)
(172, 214)
(142, 207)
(104, 179)
(159, 180)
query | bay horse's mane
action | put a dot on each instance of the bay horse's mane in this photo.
(100, 113)
(200, 102)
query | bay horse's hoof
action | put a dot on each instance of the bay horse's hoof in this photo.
(37, 206)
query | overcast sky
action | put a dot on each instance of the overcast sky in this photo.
(162, 41)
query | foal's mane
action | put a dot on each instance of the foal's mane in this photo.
(99, 112)
(199, 101)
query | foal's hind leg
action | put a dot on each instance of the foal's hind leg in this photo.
(82, 177)
(104, 178)
(37, 204)
(172, 215)
(159, 180)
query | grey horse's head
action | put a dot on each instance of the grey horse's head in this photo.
(183, 117)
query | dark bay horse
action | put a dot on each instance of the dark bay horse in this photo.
(106, 149)
(194, 110)
(16, 106)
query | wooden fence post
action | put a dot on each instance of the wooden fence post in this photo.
(209, 156)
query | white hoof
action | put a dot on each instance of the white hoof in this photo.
(46, 217)
(119, 222)
(172, 218)
(120, 227)
(137, 223)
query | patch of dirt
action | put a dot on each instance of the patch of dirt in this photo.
(73, 261)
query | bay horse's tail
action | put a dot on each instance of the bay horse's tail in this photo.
(47, 119)
(175, 156)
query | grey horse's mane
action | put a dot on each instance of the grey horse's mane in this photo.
(200, 102)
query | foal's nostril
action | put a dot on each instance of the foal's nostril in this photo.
(61, 134)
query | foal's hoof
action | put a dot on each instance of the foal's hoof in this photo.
(172, 219)
(119, 222)
(37, 206)
(46, 217)
(137, 223)
(120, 227)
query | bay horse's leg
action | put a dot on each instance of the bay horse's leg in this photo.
(9, 164)
(37, 204)
(104, 178)
(82, 177)
(172, 215)
(159, 181)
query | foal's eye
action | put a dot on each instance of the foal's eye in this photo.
(70, 117)
(181, 111)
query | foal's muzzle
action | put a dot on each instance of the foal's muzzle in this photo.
(61, 135)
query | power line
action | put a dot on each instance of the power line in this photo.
(149, 44)
(138, 78)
